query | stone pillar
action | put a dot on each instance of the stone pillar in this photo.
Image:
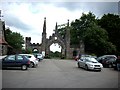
(67, 41)
(27, 43)
(82, 47)
(63, 52)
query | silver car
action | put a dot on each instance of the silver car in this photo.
(33, 60)
(89, 63)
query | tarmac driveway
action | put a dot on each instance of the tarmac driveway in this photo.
(53, 73)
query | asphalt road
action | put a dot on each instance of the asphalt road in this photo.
(59, 74)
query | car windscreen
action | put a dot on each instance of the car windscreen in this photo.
(91, 60)
(28, 56)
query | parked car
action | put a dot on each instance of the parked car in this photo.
(89, 63)
(33, 60)
(16, 61)
(38, 56)
(115, 63)
(83, 55)
(107, 60)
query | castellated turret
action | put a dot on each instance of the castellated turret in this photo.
(27, 42)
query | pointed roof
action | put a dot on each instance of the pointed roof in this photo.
(44, 25)
(56, 27)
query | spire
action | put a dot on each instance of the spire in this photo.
(68, 23)
(44, 25)
(56, 28)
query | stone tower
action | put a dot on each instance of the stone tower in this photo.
(44, 37)
(67, 40)
(28, 41)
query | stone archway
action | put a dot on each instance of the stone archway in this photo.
(55, 39)
(44, 47)
(35, 50)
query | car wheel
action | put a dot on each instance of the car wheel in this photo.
(86, 67)
(24, 67)
(78, 65)
(110, 66)
(31, 64)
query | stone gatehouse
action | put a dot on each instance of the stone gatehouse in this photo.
(66, 50)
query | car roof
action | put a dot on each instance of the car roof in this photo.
(107, 56)
(27, 54)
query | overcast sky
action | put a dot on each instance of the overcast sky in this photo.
(27, 17)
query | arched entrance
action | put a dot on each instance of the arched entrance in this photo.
(55, 47)
(64, 42)
(55, 50)
(35, 50)
(55, 39)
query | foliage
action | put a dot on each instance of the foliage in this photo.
(96, 39)
(28, 51)
(111, 23)
(55, 54)
(14, 39)
(62, 32)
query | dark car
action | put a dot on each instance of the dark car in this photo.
(16, 61)
(107, 61)
(115, 63)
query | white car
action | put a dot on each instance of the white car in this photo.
(38, 56)
(33, 60)
(89, 63)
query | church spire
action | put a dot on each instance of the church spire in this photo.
(44, 25)
(68, 23)
(56, 27)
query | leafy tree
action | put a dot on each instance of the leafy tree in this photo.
(28, 51)
(111, 23)
(55, 54)
(95, 38)
(14, 39)
(61, 31)
(97, 41)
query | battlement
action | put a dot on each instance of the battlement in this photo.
(35, 44)
(28, 38)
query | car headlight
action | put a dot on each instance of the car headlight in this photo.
(101, 65)
(91, 65)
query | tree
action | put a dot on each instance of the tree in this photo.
(111, 23)
(14, 39)
(96, 39)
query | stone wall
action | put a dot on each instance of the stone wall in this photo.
(3, 43)
(0, 49)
